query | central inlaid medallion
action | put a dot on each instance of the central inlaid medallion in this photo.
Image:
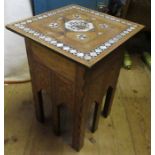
(79, 25)
(76, 30)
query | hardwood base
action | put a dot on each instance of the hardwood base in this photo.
(73, 85)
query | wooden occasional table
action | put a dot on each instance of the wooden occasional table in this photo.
(74, 54)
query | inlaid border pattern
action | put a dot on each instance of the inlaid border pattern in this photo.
(67, 48)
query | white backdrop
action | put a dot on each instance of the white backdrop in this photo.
(15, 65)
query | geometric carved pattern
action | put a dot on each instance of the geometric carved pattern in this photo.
(77, 23)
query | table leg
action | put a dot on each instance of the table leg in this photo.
(37, 94)
(78, 128)
(80, 109)
(111, 89)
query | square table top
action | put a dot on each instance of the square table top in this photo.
(81, 34)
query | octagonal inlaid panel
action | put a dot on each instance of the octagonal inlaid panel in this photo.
(78, 25)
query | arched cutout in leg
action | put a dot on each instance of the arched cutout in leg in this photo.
(108, 101)
(96, 115)
(39, 106)
(56, 119)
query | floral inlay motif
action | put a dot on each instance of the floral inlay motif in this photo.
(54, 25)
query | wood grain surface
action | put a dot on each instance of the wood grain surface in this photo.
(93, 37)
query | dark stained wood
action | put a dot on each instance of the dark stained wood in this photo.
(77, 88)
